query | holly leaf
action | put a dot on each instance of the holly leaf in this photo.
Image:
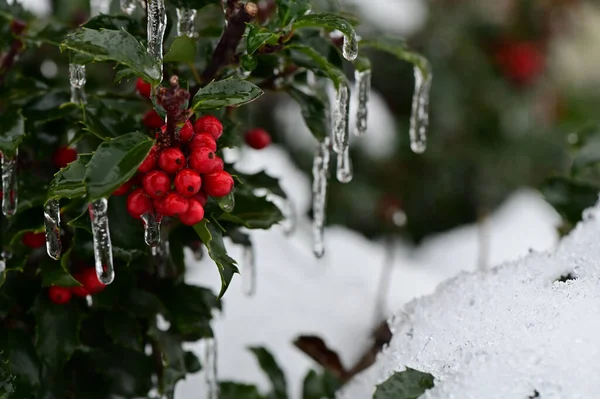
(113, 45)
(318, 386)
(183, 50)
(123, 328)
(114, 162)
(231, 92)
(56, 273)
(289, 10)
(308, 57)
(331, 22)
(257, 37)
(16, 347)
(69, 181)
(569, 197)
(212, 238)
(261, 180)
(398, 47)
(105, 122)
(253, 212)
(115, 22)
(314, 112)
(174, 358)
(269, 365)
(236, 390)
(407, 384)
(12, 131)
(50, 106)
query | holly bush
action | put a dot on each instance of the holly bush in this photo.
(88, 109)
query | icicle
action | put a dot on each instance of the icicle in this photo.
(419, 119)
(319, 195)
(102, 245)
(210, 368)
(77, 80)
(350, 47)
(344, 167)
(341, 113)
(52, 224)
(291, 217)
(128, 6)
(99, 7)
(249, 272)
(157, 23)
(185, 22)
(384, 280)
(363, 89)
(152, 224)
(9, 185)
(227, 203)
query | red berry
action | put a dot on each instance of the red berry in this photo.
(201, 197)
(521, 62)
(203, 140)
(138, 203)
(79, 291)
(59, 295)
(90, 281)
(143, 88)
(156, 184)
(194, 214)
(187, 182)
(218, 184)
(34, 240)
(152, 120)
(150, 162)
(209, 124)
(204, 160)
(64, 156)
(258, 138)
(185, 133)
(124, 188)
(219, 164)
(171, 160)
(172, 205)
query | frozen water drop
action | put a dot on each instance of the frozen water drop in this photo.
(157, 23)
(52, 225)
(319, 195)
(227, 203)
(341, 114)
(185, 22)
(98, 7)
(363, 90)
(350, 46)
(419, 119)
(344, 167)
(9, 185)
(210, 368)
(128, 6)
(102, 246)
(77, 80)
(249, 272)
(152, 223)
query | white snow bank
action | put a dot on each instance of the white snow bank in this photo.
(505, 333)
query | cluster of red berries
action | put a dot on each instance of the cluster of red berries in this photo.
(90, 285)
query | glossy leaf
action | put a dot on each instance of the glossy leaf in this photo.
(569, 197)
(314, 112)
(407, 384)
(236, 390)
(253, 212)
(290, 10)
(12, 132)
(69, 181)
(318, 386)
(114, 162)
(261, 180)
(115, 22)
(113, 45)
(230, 92)
(325, 20)
(124, 330)
(258, 37)
(308, 57)
(183, 50)
(212, 238)
(106, 122)
(399, 48)
(55, 273)
(269, 365)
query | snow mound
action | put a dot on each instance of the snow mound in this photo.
(511, 332)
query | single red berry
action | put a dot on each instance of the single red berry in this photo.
(124, 188)
(201, 197)
(152, 120)
(203, 140)
(171, 160)
(150, 162)
(218, 184)
(156, 184)
(64, 156)
(138, 203)
(219, 164)
(187, 182)
(521, 62)
(143, 88)
(194, 214)
(79, 291)
(209, 124)
(90, 281)
(204, 160)
(34, 240)
(172, 205)
(258, 138)
(59, 295)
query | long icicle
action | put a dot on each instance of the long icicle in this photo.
(319, 195)
(249, 272)
(157, 23)
(341, 114)
(102, 246)
(344, 167)
(128, 6)
(363, 90)
(210, 368)
(185, 22)
(419, 120)
(10, 188)
(52, 225)
(77, 80)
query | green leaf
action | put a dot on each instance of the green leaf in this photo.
(113, 45)
(314, 112)
(289, 10)
(231, 92)
(330, 22)
(174, 358)
(192, 363)
(12, 131)
(269, 365)
(587, 155)
(16, 346)
(308, 57)
(128, 373)
(569, 197)
(183, 50)
(319, 386)
(194, 4)
(114, 162)
(407, 384)
(115, 22)
(55, 273)
(69, 181)
(399, 48)
(50, 106)
(257, 37)
(105, 122)
(57, 330)
(253, 212)
(236, 390)
(123, 329)
(212, 237)
(261, 180)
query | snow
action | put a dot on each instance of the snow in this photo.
(507, 332)
(335, 297)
